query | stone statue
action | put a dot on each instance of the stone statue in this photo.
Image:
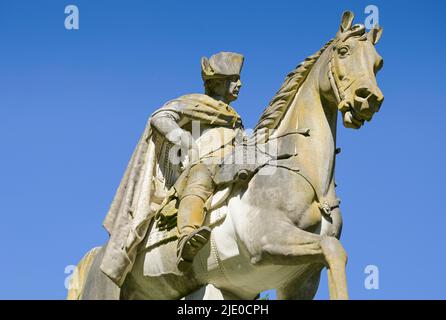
(221, 76)
(189, 221)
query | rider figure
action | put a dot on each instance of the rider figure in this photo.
(221, 76)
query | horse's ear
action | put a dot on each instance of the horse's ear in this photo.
(375, 34)
(347, 21)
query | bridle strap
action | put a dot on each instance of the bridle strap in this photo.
(333, 80)
(338, 90)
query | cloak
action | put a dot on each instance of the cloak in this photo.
(130, 213)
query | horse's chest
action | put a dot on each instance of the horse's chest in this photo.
(305, 216)
(294, 198)
(303, 207)
(312, 219)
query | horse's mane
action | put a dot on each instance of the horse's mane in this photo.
(279, 104)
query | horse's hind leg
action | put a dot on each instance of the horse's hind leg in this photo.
(97, 285)
(78, 279)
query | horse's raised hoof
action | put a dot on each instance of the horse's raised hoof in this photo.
(189, 246)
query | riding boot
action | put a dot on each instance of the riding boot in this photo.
(193, 235)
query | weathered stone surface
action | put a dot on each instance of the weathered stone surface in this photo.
(282, 226)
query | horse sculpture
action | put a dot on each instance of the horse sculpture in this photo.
(279, 230)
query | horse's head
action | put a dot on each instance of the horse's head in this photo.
(349, 77)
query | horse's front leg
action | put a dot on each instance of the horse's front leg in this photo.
(286, 244)
(336, 260)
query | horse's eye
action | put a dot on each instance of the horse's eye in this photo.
(343, 51)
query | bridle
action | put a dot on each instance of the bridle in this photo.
(340, 96)
(338, 89)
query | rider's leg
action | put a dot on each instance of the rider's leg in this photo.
(191, 215)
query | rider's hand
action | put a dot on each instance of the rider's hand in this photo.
(188, 147)
(187, 142)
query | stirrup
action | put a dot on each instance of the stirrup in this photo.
(189, 246)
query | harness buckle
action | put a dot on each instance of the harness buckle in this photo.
(326, 208)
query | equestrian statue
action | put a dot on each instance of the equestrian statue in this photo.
(207, 211)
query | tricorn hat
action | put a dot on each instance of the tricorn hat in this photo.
(221, 64)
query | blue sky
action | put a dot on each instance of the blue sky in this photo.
(74, 103)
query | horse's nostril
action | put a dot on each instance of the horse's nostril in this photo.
(376, 101)
(362, 93)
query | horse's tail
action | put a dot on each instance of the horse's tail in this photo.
(77, 281)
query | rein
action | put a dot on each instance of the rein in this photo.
(333, 80)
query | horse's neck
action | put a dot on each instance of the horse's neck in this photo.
(316, 153)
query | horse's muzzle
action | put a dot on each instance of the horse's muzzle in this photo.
(367, 102)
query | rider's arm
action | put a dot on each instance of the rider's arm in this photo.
(166, 123)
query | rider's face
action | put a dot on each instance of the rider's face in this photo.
(228, 87)
(233, 85)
